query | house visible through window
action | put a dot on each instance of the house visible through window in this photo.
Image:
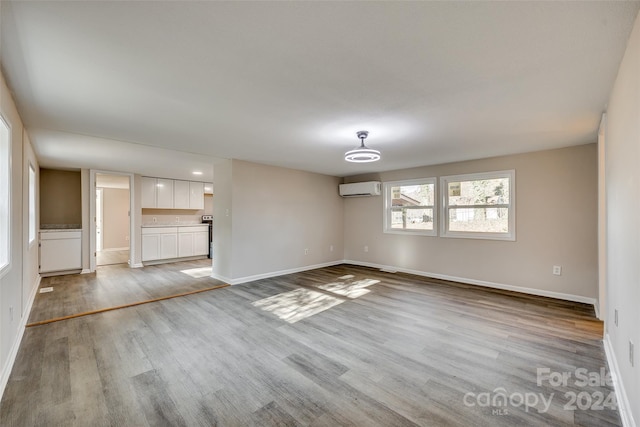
(32, 204)
(409, 207)
(479, 205)
(5, 178)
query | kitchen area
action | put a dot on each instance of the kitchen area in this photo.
(171, 220)
(175, 219)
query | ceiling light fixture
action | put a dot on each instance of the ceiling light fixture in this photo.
(362, 154)
(197, 173)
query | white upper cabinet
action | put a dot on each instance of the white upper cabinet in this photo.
(149, 186)
(196, 195)
(164, 194)
(181, 194)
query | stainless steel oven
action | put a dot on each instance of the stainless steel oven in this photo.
(208, 219)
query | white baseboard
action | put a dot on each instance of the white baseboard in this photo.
(138, 265)
(13, 353)
(126, 248)
(621, 395)
(531, 291)
(274, 273)
(86, 271)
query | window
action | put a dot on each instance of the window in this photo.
(409, 207)
(5, 177)
(32, 204)
(480, 206)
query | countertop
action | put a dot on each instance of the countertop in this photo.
(60, 227)
(182, 224)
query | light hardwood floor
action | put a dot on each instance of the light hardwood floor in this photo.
(112, 257)
(312, 348)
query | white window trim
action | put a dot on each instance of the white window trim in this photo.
(4, 268)
(511, 206)
(32, 204)
(387, 200)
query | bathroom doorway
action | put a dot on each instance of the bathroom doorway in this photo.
(113, 208)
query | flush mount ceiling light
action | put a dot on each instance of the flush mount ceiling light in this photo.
(362, 154)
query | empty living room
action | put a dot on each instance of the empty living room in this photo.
(309, 213)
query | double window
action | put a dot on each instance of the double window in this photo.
(410, 207)
(479, 206)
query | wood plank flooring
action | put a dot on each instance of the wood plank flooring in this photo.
(110, 257)
(116, 285)
(410, 352)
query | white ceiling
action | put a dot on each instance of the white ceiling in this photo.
(290, 83)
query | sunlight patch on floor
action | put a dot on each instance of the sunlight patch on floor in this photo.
(349, 290)
(298, 304)
(197, 273)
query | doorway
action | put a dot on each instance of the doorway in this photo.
(113, 208)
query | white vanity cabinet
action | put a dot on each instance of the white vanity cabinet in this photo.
(60, 251)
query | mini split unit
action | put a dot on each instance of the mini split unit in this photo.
(360, 189)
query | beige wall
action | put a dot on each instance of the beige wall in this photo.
(60, 197)
(622, 165)
(19, 281)
(556, 224)
(115, 218)
(274, 215)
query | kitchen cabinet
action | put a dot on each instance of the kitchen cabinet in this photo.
(163, 193)
(193, 240)
(159, 243)
(196, 196)
(181, 194)
(148, 197)
(60, 251)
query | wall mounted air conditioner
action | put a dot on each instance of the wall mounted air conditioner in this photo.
(359, 189)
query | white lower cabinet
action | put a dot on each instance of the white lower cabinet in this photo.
(193, 240)
(160, 243)
(60, 251)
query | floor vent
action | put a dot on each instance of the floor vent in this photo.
(45, 290)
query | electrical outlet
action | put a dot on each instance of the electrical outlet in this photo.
(631, 352)
(177, 219)
(306, 251)
(126, 238)
(615, 316)
(366, 248)
(331, 248)
(155, 219)
(557, 270)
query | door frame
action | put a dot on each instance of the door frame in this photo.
(92, 217)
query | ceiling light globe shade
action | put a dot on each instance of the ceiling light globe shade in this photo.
(362, 155)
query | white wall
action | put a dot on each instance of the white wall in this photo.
(622, 164)
(274, 215)
(556, 224)
(223, 221)
(18, 284)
